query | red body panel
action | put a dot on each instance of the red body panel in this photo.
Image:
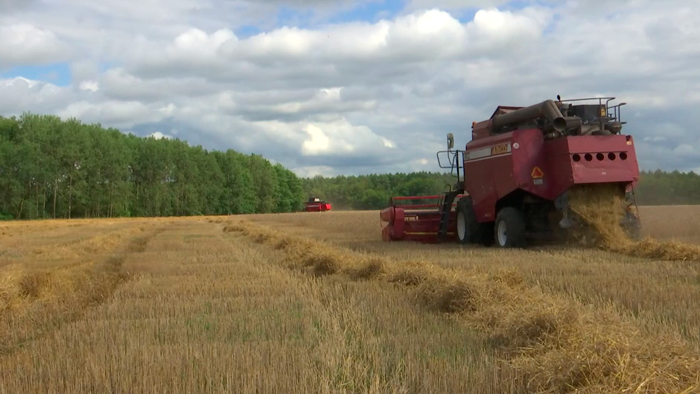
(489, 173)
(496, 166)
(317, 207)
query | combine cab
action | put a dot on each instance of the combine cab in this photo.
(514, 177)
(315, 204)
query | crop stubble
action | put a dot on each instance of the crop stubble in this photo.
(593, 349)
(656, 293)
(201, 309)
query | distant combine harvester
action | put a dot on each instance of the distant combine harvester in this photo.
(315, 204)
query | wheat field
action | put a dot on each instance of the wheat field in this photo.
(316, 302)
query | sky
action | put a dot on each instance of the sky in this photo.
(352, 86)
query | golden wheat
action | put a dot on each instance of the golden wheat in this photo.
(557, 344)
(202, 310)
(321, 304)
(654, 292)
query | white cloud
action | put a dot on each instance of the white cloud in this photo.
(388, 143)
(505, 29)
(341, 138)
(20, 81)
(90, 85)
(158, 135)
(18, 95)
(685, 150)
(426, 36)
(318, 141)
(117, 113)
(453, 4)
(168, 109)
(10, 5)
(314, 171)
(25, 44)
(359, 96)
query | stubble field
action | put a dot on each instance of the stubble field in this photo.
(317, 303)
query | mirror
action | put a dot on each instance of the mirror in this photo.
(450, 141)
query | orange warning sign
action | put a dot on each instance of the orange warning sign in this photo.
(537, 173)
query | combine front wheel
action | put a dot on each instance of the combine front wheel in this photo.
(509, 228)
(467, 226)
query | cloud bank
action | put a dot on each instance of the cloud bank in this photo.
(337, 94)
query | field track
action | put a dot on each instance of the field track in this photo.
(315, 302)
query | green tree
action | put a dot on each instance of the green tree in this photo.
(67, 169)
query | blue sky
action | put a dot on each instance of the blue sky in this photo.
(370, 11)
(58, 73)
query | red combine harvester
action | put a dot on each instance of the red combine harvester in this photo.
(315, 204)
(513, 178)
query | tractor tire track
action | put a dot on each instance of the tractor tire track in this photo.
(61, 296)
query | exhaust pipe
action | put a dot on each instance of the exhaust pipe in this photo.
(548, 109)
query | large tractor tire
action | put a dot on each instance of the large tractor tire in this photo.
(509, 228)
(469, 230)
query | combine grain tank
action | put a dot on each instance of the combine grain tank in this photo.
(514, 176)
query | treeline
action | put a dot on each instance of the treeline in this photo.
(668, 188)
(51, 168)
(374, 191)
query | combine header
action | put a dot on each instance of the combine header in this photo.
(416, 222)
(315, 204)
(514, 177)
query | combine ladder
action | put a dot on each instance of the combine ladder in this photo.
(450, 195)
(445, 211)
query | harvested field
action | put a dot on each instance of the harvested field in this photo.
(317, 303)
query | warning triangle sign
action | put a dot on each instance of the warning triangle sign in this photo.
(537, 173)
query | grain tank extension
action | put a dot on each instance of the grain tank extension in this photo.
(514, 176)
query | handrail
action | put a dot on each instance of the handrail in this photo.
(600, 99)
(433, 197)
(420, 206)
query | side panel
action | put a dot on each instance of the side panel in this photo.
(561, 174)
(398, 223)
(488, 173)
(534, 173)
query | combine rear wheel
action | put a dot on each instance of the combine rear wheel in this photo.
(509, 228)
